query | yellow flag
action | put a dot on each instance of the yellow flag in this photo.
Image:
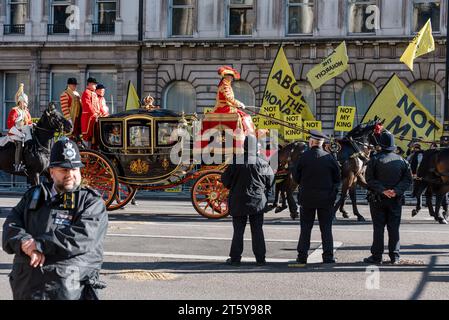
(331, 67)
(345, 118)
(404, 115)
(423, 43)
(132, 99)
(283, 91)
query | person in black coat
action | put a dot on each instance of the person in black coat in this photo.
(56, 233)
(388, 176)
(248, 178)
(318, 176)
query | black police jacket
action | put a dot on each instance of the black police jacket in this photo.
(387, 170)
(70, 239)
(248, 184)
(318, 176)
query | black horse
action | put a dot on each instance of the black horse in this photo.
(352, 152)
(36, 153)
(433, 178)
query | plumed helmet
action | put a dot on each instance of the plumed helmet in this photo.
(226, 70)
(20, 94)
(65, 154)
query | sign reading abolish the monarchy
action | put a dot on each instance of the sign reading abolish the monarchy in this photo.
(311, 125)
(344, 119)
(283, 91)
(404, 115)
(295, 121)
(331, 67)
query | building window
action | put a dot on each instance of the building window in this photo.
(241, 17)
(244, 92)
(423, 10)
(11, 83)
(17, 13)
(309, 95)
(180, 96)
(109, 80)
(430, 95)
(182, 17)
(359, 94)
(362, 16)
(106, 14)
(300, 16)
(59, 17)
(59, 84)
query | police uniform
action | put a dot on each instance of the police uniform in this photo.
(386, 171)
(69, 230)
(318, 176)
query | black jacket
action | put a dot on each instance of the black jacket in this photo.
(318, 176)
(387, 170)
(70, 239)
(249, 184)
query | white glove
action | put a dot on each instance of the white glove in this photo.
(242, 106)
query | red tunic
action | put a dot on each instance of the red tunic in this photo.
(91, 111)
(226, 103)
(14, 114)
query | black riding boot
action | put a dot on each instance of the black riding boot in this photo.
(18, 166)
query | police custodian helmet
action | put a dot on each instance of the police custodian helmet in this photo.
(65, 154)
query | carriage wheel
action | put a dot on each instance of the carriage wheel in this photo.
(124, 195)
(99, 174)
(210, 197)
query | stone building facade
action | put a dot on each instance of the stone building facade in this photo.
(185, 41)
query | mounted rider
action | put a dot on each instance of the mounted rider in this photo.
(19, 124)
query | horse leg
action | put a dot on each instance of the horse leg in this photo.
(276, 196)
(344, 195)
(293, 207)
(438, 216)
(418, 189)
(355, 210)
(429, 202)
(444, 205)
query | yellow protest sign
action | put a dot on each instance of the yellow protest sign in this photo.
(256, 121)
(331, 67)
(311, 125)
(290, 133)
(272, 112)
(403, 113)
(345, 118)
(282, 90)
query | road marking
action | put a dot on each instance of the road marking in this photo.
(186, 257)
(316, 255)
(190, 238)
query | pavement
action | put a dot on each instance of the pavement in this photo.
(162, 249)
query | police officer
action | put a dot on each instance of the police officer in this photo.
(388, 176)
(318, 176)
(56, 233)
(248, 180)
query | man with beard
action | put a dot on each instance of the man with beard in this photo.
(56, 233)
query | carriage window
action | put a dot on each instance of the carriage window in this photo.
(164, 131)
(112, 134)
(138, 136)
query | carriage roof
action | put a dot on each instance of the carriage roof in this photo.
(156, 113)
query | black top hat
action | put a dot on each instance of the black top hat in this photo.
(65, 154)
(100, 86)
(72, 81)
(318, 135)
(92, 80)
